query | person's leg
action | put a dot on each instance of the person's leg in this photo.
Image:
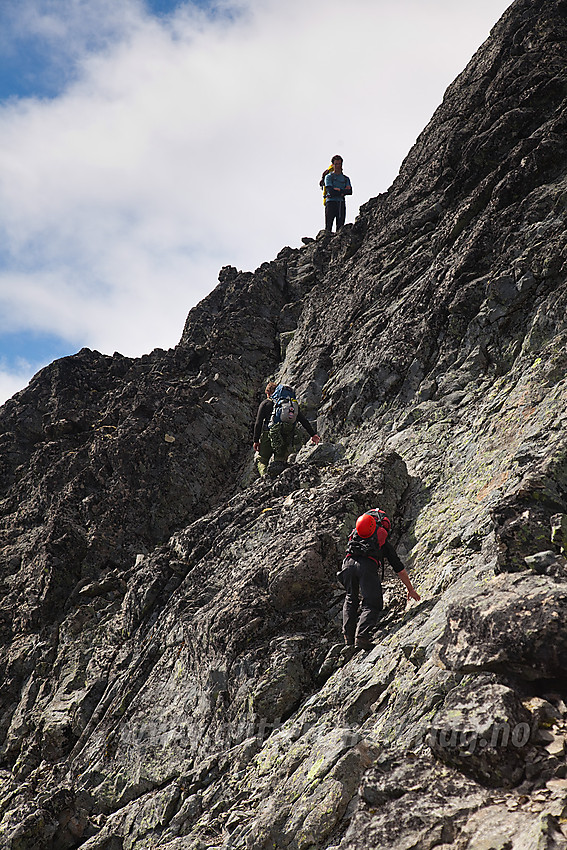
(288, 433)
(349, 580)
(264, 452)
(341, 214)
(372, 601)
(276, 439)
(330, 214)
(281, 437)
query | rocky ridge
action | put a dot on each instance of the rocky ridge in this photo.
(172, 669)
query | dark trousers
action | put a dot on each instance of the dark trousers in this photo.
(335, 210)
(359, 577)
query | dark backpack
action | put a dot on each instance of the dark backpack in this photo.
(285, 406)
(369, 547)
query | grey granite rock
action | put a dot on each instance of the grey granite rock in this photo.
(484, 730)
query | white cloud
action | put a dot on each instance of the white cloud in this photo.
(14, 378)
(189, 142)
(73, 26)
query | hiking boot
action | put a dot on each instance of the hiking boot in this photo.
(276, 467)
(347, 652)
(363, 643)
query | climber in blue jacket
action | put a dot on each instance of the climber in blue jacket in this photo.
(337, 186)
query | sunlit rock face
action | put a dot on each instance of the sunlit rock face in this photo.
(173, 673)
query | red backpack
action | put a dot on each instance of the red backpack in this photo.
(370, 534)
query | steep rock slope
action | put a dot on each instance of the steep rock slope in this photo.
(449, 318)
(173, 675)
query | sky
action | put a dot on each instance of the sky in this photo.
(144, 144)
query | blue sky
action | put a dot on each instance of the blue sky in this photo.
(29, 64)
(139, 142)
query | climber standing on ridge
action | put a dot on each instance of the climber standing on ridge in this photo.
(367, 546)
(336, 186)
(275, 425)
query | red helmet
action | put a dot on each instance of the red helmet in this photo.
(365, 525)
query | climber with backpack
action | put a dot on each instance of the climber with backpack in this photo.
(367, 547)
(336, 186)
(275, 426)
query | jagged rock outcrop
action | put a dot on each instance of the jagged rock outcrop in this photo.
(173, 674)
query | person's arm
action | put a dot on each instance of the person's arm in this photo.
(332, 192)
(400, 570)
(264, 411)
(412, 592)
(348, 187)
(303, 420)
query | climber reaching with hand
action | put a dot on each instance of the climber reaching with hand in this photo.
(367, 547)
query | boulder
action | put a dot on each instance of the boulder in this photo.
(483, 729)
(516, 625)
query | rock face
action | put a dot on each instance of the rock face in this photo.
(173, 673)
